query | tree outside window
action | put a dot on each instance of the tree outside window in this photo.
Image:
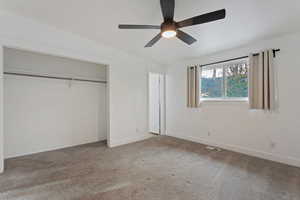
(226, 81)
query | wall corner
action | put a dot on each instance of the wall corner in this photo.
(1, 112)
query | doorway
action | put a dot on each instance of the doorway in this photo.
(156, 103)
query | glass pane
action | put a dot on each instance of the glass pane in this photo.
(236, 82)
(212, 82)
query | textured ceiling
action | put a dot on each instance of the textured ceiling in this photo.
(98, 20)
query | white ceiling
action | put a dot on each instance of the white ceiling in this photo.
(246, 21)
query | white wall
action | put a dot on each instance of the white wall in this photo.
(20, 61)
(128, 80)
(45, 114)
(231, 124)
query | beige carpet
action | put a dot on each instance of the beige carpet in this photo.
(160, 168)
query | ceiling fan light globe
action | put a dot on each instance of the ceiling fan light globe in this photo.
(169, 34)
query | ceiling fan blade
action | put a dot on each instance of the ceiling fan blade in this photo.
(186, 38)
(167, 8)
(154, 40)
(201, 19)
(131, 26)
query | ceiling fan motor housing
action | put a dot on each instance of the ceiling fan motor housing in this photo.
(168, 26)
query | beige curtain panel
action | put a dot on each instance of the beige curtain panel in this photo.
(262, 81)
(193, 87)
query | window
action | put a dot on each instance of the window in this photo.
(226, 81)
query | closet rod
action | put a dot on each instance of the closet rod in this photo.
(54, 77)
(238, 58)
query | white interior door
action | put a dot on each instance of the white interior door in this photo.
(155, 103)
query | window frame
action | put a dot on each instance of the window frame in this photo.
(224, 98)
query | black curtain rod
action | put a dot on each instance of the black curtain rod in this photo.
(54, 77)
(238, 58)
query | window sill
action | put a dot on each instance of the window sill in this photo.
(242, 100)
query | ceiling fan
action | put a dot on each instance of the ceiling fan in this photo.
(170, 28)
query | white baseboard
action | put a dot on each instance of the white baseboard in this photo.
(129, 140)
(52, 149)
(260, 154)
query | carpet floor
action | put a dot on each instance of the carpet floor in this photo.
(160, 168)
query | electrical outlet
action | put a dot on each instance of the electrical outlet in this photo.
(137, 130)
(208, 133)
